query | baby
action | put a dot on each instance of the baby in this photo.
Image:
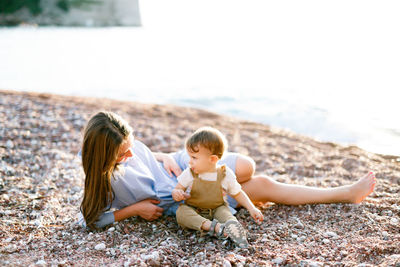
(205, 208)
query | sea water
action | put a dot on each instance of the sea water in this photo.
(329, 89)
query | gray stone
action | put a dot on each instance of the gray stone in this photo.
(299, 225)
(40, 262)
(278, 260)
(9, 144)
(331, 234)
(100, 246)
(326, 241)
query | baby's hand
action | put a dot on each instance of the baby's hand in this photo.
(179, 194)
(257, 215)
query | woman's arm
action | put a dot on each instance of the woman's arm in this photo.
(145, 209)
(169, 162)
(159, 155)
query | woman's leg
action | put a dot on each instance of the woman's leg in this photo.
(264, 189)
(244, 169)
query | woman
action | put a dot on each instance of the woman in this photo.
(122, 173)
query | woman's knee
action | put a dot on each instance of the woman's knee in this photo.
(259, 183)
(260, 188)
(245, 167)
(264, 181)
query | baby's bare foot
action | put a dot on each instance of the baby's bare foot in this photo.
(362, 188)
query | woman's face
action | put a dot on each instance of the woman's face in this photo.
(125, 150)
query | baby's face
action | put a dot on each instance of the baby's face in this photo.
(201, 161)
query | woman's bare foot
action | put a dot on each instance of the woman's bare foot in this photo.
(362, 188)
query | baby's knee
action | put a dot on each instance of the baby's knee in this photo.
(181, 213)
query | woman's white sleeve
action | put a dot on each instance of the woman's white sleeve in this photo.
(105, 219)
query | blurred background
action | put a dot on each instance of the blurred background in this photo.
(326, 69)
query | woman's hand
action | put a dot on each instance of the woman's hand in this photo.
(169, 163)
(148, 210)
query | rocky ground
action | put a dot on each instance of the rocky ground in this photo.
(41, 188)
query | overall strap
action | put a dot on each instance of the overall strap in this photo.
(221, 173)
(195, 175)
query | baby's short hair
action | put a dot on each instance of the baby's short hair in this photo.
(209, 138)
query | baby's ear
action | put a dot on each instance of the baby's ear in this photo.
(214, 158)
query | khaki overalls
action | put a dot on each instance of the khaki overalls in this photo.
(206, 203)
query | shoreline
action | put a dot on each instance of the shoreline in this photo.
(378, 151)
(42, 183)
(170, 107)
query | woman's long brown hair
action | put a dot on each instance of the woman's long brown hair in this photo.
(104, 134)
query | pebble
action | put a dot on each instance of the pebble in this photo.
(112, 251)
(326, 241)
(11, 248)
(236, 256)
(301, 238)
(264, 238)
(299, 225)
(76, 189)
(311, 263)
(240, 258)
(226, 263)
(200, 254)
(278, 260)
(394, 221)
(40, 262)
(331, 234)
(100, 246)
(8, 169)
(210, 246)
(154, 256)
(111, 229)
(9, 144)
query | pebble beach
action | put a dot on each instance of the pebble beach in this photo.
(41, 187)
